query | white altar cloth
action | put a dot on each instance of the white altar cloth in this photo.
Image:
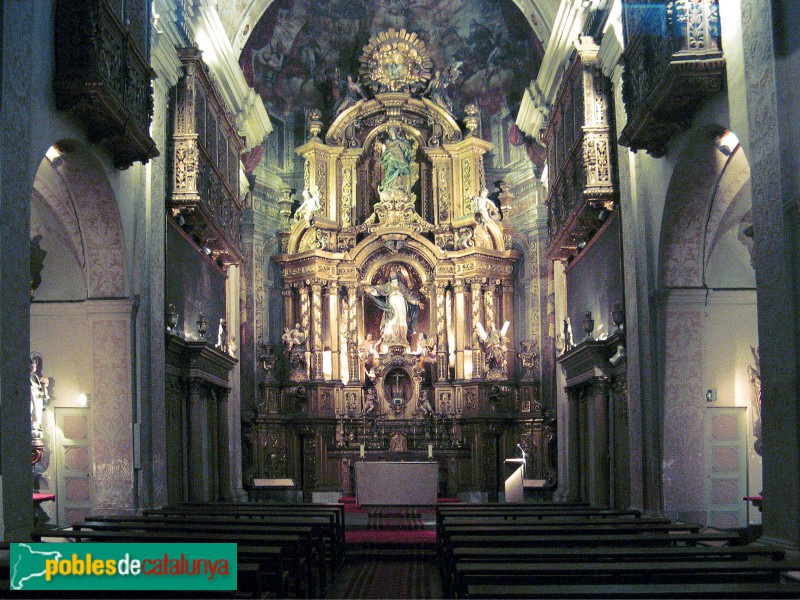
(397, 483)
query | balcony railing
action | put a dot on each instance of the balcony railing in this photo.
(204, 166)
(102, 77)
(582, 180)
(673, 62)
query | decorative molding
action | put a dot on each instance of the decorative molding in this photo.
(668, 76)
(247, 106)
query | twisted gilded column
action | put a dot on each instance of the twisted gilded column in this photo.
(352, 333)
(316, 329)
(442, 370)
(332, 290)
(489, 304)
(305, 315)
(459, 319)
(288, 307)
(477, 353)
(507, 305)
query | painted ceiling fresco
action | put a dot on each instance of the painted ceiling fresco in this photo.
(300, 53)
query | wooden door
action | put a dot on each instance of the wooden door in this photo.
(74, 464)
(726, 467)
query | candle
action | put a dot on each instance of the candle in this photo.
(361, 450)
(430, 450)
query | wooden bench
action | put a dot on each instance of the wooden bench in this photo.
(333, 511)
(295, 550)
(754, 570)
(601, 555)
(643, 591)
(323, 535)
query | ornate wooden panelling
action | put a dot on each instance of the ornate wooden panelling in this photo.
(205, 150)
(673, 62)
(582, 181)
(102, 75)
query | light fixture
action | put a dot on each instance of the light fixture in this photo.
(84, 399)
(727, 143)
(52, 154)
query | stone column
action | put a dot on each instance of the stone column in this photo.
(599, 490)
(459, 318)
(197, 445)
(225, 490)
(316, 330)
(573, 449)
(773, 127)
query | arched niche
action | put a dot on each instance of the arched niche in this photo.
(708, 322)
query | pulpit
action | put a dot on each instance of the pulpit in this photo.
(514, 488)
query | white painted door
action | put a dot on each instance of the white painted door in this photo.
(726, 467)
(74, 472)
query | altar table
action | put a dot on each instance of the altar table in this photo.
(397, 483)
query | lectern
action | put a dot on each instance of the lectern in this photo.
(515, 492)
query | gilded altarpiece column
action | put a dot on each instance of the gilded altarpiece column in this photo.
(316, 330)
(442, 366)
(477, 353)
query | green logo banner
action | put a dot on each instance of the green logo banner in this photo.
(101, 566)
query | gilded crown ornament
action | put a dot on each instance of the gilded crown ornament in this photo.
(395, 61)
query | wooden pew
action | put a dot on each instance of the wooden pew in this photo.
(695, 572)
(307, 578)
(555, 529)
(724, 591)
(323, 536)
(602, 555)
(544, 543)
(333, 511)
(295, 551)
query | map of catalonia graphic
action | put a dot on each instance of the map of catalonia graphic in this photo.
(30, 564)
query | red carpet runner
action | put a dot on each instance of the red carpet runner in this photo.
(394, 579)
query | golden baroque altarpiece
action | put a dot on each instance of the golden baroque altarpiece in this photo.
(398, 298)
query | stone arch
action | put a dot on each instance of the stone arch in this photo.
(707, 190)
(703, 283)
(76, 191)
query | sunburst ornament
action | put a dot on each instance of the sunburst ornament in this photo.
(395, 61)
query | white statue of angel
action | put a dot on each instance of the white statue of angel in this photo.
(495, 344)
(311, 204)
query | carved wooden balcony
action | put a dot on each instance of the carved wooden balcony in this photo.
(204, 163)
(580, 159)
(673, 63)
(102, 76)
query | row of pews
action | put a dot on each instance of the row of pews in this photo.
(570, 550)
(283, 550)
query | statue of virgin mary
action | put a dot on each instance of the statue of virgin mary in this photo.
(400, 308)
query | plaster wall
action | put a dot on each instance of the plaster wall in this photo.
(707, 341)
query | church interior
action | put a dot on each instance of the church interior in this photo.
(307, 252)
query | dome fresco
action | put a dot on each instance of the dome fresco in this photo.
(301, 51)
